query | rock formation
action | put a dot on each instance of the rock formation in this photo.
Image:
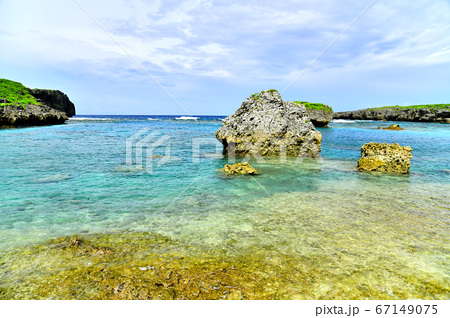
(320, 114)
(21, 106)
(55, 99)
(31, 115)
(385, 158)
(440, 113)
(240, 168)
(266, 125)
(319, 118)
(392, 127)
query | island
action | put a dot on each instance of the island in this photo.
(21, 106)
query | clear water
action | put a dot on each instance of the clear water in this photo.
(354, 235)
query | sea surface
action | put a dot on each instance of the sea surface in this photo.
(145, 199)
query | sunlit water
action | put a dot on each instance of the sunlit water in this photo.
(308, 228)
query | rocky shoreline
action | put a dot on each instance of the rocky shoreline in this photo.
(426, 114)
(21, 106)
(31, 115)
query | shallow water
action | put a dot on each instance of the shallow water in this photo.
(301, 229)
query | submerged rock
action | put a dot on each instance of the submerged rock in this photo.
(240, 168)
(384, 157)
(265, 125)
(392, 127)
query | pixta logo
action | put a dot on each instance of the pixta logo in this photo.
(141, 147)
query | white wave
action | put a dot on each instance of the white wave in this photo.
(187, 118)
(342, 121)
(151, 118)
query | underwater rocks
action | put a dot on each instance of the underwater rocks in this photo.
(31, 115)
(392, 127)
(265, 125)
(240, 168)
(385, 158)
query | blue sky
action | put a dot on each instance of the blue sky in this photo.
(206, 57)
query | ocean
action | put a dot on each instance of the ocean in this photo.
(136, 207)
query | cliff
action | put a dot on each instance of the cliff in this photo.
(55, 99)
(419, 113)
(21, 106)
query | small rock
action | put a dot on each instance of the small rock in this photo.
(240, 168)
(392, 127)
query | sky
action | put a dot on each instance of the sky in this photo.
(205, 57)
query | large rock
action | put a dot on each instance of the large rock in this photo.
(425, 114)
(320, 114)
(320, 118)
(31, 115)
(266, 125)
(55, 99)
(384, 157)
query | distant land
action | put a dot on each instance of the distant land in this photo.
(420, 113)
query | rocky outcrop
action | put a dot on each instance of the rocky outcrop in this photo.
(55, 99)
(392, 127)
(385, 158)
(240, 168)
(30, 115)
(21, 106)
(266, 125)
(425, 114)
(319, 118)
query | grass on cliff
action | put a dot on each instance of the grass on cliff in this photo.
(316, 106)
(256, 95)
(15, 94)
(428, 106)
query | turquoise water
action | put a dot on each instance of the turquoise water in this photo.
(74, 180)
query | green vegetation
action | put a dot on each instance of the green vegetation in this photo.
(256, 95)
(428, 106)
(316, 106)
(15, 94)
